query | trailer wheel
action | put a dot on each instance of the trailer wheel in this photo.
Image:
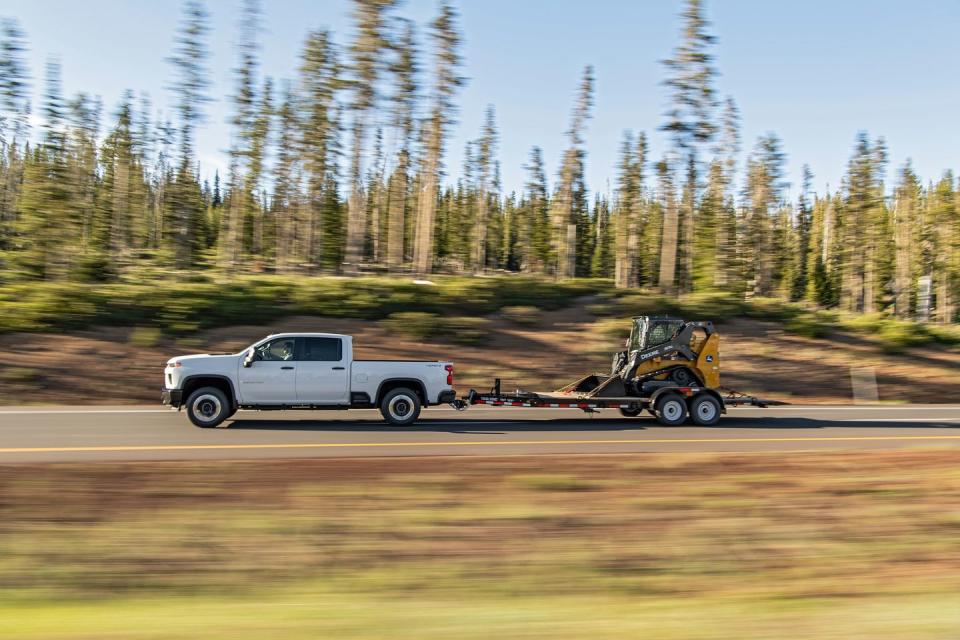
(631, 412)
(400, 407)
(671, 410)
(705, 410)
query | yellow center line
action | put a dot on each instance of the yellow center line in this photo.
(467, 443)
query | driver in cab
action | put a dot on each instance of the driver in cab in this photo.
(277, 350)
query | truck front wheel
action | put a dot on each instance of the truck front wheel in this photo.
(207, 407)
(400, 407)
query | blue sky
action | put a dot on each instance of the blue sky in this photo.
(815, 72)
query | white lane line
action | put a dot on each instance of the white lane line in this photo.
(64, 411)
(899, 420)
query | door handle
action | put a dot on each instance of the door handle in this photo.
(338, 368)
(286, 367)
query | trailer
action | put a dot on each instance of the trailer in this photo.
(669, 368)
(671, 405)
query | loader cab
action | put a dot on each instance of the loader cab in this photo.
(650, 331)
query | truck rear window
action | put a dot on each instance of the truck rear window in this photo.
(322, 349)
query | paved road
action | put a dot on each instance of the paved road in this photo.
(54, 434)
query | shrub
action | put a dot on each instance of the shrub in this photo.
(413, 324)
(467, 331)
(144, 337)
(896, 335)
(523, 315)
(18, 375)
(551, 482)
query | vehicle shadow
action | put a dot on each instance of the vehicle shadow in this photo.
(503, 426)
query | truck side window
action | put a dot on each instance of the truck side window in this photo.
(276, 350)
(322, 349)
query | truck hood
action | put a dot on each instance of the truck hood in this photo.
(197, 359)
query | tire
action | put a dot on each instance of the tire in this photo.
(207, 407)
(683, 377)
(630, 413)
(705, 410)
(671, 410)
(400, 407)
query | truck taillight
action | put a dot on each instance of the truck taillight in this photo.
(449, 369)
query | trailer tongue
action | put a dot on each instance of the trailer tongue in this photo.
(671, 368)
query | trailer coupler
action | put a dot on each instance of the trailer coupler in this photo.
(460, 405)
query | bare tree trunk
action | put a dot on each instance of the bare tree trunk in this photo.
(356, 205)
(396, 223)
(427, 200)
(901, 221)
(480, 248)
(668, 247)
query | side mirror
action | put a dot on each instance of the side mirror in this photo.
(249, 358)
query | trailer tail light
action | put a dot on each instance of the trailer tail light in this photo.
(449, 369)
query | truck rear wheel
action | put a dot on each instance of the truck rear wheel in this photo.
(207, 407)
(671, 410)
(705, 410)
(400, 407)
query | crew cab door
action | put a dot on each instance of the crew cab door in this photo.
(271, 377)
(323, 371)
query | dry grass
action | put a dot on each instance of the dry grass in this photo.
(668, 546)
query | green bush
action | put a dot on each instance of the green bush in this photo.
(413, 324)
(18, 375)
(522, 315)
(897, 336)
(467, 331)
(144, 337)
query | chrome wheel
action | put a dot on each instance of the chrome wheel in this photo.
(207, 407)
(400, 407)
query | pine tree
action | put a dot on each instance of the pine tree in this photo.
(669, 215)
(366, 51)
(628, 211)
(762, 203)
(242, 216)
(486, 151)
(190, 87)
(536, 251)
(727, 273)
(569, 199)
(689, 122)
(404, 100)
(318, 122)
(446, 41)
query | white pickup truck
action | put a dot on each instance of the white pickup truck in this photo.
(303, 371)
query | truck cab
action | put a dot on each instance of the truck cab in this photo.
(303, 371)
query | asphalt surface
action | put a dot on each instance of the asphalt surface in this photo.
(75, 434)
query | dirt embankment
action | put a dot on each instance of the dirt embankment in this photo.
(104, 366)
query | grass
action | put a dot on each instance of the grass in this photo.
(179, 304)
(703, 546)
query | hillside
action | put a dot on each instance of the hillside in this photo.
(798, 357)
